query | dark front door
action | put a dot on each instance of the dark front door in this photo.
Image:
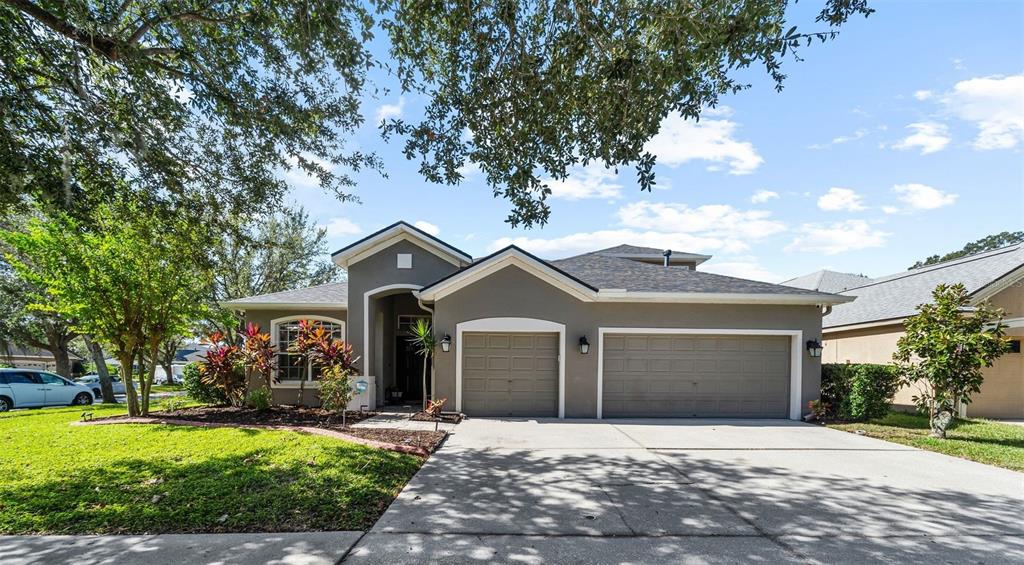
(409, 371)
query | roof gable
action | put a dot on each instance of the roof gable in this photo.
(399, 231)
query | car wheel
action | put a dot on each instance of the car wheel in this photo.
(83, 399)
(5, 404)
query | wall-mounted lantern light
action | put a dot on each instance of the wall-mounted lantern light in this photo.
(446, 343)
(584, 345)
(814, 348)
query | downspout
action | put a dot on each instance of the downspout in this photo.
(419, 301)
(668, 256)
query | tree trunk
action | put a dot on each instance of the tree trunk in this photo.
(168, 367)
(127, 361)
(96, 351)
(59, 349)
(940, 421)
(146, 377)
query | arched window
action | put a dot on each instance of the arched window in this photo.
(293, 368)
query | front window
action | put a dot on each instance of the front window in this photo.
(294, 368)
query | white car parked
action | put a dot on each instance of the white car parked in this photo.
(30, 388)
(92, 380)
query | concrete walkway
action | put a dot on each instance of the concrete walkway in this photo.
(671, 491)
(313, 548)
(401, 421)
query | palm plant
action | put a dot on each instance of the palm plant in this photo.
(424, 341)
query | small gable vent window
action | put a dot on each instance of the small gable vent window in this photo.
(405, 260)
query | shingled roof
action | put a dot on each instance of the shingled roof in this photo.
(330, 295)
(828, 281)
(896, 296)
(610, 272)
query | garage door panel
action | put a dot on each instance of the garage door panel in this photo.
(696, 376)
(518, 377)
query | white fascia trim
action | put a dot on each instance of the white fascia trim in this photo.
(509, 258)
(393, 236)
(274, 342)
(863, 326)
(795, 357)
(367, 354)
(511, 325)
(1008, 280)
(720, 298)
(242, 306)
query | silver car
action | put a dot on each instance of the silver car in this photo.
(31, 388)
(92, 380)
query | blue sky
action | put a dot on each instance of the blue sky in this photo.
(902, 138)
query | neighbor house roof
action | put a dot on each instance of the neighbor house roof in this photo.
(11, 350)
(651, 254)
(330, 295)
(896, 296)
(828, 281)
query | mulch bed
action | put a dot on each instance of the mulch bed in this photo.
(274, 416)
(293, 418)
(445, 417)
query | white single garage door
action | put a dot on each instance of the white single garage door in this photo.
(510, 374)
(702, 376)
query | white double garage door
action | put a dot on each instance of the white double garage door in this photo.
(642, 375)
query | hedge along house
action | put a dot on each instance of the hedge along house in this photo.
(621, 332)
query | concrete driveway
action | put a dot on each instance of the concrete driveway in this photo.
(694, 491)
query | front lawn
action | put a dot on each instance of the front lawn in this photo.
(57, 478)
(983, 441)
(167, 388)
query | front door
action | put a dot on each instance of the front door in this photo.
(409, 370)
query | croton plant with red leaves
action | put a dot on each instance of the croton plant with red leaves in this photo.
(333, 357)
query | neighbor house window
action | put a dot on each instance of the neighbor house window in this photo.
(294, 368)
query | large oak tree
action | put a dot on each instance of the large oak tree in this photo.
(200, 100)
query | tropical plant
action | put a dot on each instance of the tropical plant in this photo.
(944, 349)
(94, 91)
(198, 390)
(222, 368)
(258, 354)
(334, 361)
(423, 340)
(434, 407)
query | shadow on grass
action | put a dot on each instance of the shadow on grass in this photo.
(277, 487)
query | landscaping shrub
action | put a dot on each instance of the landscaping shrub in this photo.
(174, 403)
(260, 398)
(857, 391)
(198, 390)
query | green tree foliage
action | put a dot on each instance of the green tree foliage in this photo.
(132, 280)
(22, 325)
(191, 100)
(944, 349)
(984, 244)
(268, 253)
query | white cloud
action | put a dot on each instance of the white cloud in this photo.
(742, 268)
(592, 181)
(664, 226)
(427, 227)
(891, 209)
(388, 111)
(835, 238)
(929, 136)
(762, 196)
(718, 220)
(923, 94)
(341, 226)
(680, 141)
(837, 199)
(995, 105)
(916, 196)
(717, 112)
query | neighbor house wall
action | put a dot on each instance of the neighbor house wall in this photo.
(1002, 392)
(512, 292)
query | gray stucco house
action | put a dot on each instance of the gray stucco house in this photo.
(621, 332)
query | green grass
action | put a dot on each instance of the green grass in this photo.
(983, 441)
(167, 388)
(57, 478)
